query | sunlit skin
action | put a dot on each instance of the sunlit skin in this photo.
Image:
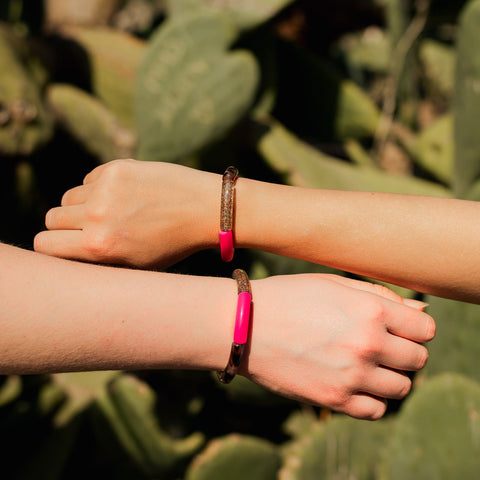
(152, 214)
(319, 339)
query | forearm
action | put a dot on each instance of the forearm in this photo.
(153, 214)
(424, 243)
(59, 315)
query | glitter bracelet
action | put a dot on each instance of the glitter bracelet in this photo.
(226, 214)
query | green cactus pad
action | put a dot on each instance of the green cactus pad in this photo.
(434, 151)
(190, 90)
(316, 101)
(467, 99)
(455, 347)
(236, 457)
(247, 14)
(305, 166)
(25, 124)
(127, 413)
(114, 58)
(437, 433)
(338, 448)
(438, 65)
(91, 123)
(10, 389)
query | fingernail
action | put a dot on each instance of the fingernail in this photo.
(415, 304)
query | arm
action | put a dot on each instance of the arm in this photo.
(147, 214)
(352, 338)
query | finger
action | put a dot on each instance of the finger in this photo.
(402, 354)
(387, 383)
(76, 195)
(410, 323)
(65, 218)
(366, 407)
(61, 243)
(374, 288)
(94, 174)
(417, 304)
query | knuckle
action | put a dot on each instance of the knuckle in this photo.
(383, 291)
(117, 168)
(100, 245)
(374, 311)
(337, 398)
(97, 212)
(368, 347)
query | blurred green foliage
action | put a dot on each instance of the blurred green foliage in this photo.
(357, 95)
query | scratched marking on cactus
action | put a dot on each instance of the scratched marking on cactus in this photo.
(161, 68)
(178, 93)
(203, 112)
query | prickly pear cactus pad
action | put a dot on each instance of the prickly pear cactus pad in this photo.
(437, 434)
(339, 448)
(91, 123)
(236, 457)
(114, 59)
(456, 345)
(248, 14)
(467, 99)
(189, 89)
(125, 416)
(25, 124)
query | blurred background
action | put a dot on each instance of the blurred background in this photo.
(375, 95)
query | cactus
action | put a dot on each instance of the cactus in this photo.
(81, 389)
(190, 91)
(25, 124)
(304, 166)
(325, 104)
(438, 68)
(244, 391)
(247, 14)
(236, 457)
(455, 347)
(467, 99)
(91, 123)
(125, 416)
(434, 151)
(10, 389)
(114, 58)
(338, 448)
(437, 432)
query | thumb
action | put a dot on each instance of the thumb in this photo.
(375, 288)
(417, 304)
(381, 291)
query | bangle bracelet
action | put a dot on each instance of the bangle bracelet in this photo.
(226, 214)
(242, 323)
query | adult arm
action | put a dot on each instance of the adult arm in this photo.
(320, 339)
(146, 214)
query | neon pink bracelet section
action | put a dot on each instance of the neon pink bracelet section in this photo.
(226, 245)
(242, 325)
(242, 321)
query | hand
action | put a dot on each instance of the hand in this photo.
(336, 342)
(142, 214)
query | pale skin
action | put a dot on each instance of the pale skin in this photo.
(320, 339)
(153, 214)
